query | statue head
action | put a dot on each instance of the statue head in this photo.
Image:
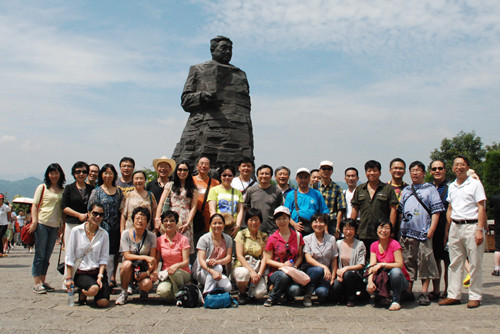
(222, 49)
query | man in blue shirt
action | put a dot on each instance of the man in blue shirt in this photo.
(304, 202)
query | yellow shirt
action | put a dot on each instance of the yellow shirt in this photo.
(50, 212)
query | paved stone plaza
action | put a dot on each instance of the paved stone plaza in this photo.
(22, 311)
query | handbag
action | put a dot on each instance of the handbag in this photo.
(219, 298)
(167, 205)
(297, 275)
(27, 237)
(306, 223)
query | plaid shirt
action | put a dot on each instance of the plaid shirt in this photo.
(334, 198)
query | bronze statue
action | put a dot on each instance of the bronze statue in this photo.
(216, 95)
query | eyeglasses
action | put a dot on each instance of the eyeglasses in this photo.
(227, 175)
(436, 168)
(79, 171)
(182, 170)
(96, 214)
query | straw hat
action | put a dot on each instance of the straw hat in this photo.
(167, 160)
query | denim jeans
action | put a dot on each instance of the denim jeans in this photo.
(318, 283)
(283, 284)
(45, 239)
(398, 282)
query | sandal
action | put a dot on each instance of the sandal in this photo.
(395, 307)
(82, 299)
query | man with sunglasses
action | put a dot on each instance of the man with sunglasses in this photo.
(438, 172)
(333, 195)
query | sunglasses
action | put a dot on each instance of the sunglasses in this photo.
(326, 168)
(436, 168)
(78, 171)
(183, 170)
(226, 175)
(96, 214)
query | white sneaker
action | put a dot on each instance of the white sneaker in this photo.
(122, 298)
(307, 302)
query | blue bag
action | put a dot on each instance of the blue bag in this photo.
(219, 298)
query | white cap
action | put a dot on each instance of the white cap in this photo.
(302, 170)
(326, 163)
(281, 209)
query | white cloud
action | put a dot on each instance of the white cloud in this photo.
(5, 139)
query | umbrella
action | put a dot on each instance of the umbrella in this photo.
(23, 200)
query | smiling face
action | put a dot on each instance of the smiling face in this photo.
(93, 173)
(164, 170)
(282, 220)
(318, 226)
(182, 172)
(217, 225)
(80, 174)
(349, 232)
(460, 168)
(96, 215)
(126, 168)
(384, 231)
(373, 174)
(108, 176)
(315, 178)
(253, 223)
(246, 170)
(139, 181)
(54, 177)
(169, 224)
(226, 178)
(282, 177)
(264, 176)
(438, 171)
(398, 171)
(203, 166)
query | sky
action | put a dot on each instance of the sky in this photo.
(340, 80)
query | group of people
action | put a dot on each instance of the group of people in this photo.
(265, 238)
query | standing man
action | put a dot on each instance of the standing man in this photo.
(304, 202)
(265, 197)
(333, 195)
(244, 180)
(466, 221)
(282, 176)
(351, 177)
(93, 174)
(398, 170)
(438, 172)
(125, 183)
(5, 217)
(373, 201)
(202, 182)
(420, 207)
(164, 168)
(315, 178)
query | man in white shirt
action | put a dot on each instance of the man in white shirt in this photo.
(466, 221)
(351, 177)
(244, 180)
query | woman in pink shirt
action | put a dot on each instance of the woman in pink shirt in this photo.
(174, 254)
(387, 269)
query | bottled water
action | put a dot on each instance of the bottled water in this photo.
(71, 298)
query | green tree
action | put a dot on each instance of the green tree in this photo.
(491, 170)
(150, 173)
(466, 144)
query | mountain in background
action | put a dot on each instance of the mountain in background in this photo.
(25, 187)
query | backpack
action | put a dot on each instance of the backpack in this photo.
(189, 296)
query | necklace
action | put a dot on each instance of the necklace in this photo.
(88, 231)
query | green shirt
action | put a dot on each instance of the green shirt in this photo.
(371, 210)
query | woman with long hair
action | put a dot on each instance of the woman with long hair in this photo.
(46, 215)
(181, 196)
(110, 197)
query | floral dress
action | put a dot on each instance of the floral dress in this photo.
(181, 204)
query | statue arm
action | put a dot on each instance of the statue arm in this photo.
(194, 96)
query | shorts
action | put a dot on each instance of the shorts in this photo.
(419, 258)
(84, 281)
